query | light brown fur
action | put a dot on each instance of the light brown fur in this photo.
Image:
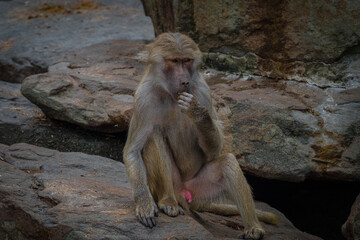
(175, 140)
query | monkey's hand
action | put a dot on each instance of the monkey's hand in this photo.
(190, 107)
(146, 211)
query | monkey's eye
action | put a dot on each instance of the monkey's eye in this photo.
(186, 60)
(175, 60)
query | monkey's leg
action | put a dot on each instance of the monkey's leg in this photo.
(225, 176)
(159, 168)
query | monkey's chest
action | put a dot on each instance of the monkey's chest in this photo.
(187, 153)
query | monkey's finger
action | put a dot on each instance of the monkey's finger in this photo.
(181, 211)
(156, 212)
(183, 107)
(185, 98)
(149, 221)
(169, 211)
(188, 94)
(186, 104)
(153, 221)
(145, 222)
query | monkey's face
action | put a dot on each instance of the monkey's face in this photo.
(178, 72)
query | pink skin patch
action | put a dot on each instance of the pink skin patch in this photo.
(187, 195)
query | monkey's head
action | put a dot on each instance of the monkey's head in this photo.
(176, 58)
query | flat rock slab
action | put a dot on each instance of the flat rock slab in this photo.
(34, 34)
(46, 194)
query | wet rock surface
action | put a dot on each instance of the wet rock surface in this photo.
(49, 194)
(34, 34)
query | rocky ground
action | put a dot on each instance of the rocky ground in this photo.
(48, 194)
(90, 58)
(35, 33)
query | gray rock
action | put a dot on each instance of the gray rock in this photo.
(22, 121)
(289, 130)
(93, 89)
(277, 129)
(351, 228)
(34, 34)
(46, 194)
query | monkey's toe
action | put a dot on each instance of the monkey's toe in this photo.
(147, 221)
(171, 211)
(146, 214)
(254, 233)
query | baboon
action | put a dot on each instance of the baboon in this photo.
(173, 150)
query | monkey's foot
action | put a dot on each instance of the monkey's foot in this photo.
(170, 207)
(146, 213)
(254, 233)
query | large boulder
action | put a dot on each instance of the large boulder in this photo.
(92, 87)
(316, 41)
(22, 121)
(46, 194)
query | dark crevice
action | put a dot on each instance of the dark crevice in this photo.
(65, 137)
(16, 74)
(316, 207)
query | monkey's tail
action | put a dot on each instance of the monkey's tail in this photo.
(267, 217)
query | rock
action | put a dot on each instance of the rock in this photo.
(351, 228)
(277, 129)
(313, 41)
(46, 194)
(38, 33)
(22, 121)
(288, 130)
(92, 87)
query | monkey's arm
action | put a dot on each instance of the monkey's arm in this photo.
(146, 209)
(210, 138)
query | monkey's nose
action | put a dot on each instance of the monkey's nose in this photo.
(185, 84)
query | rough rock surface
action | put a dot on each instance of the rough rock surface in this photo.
(22, 121)
(351, 228)
(289, 130)
(92, 87)
(33, 34)
(317, 41)
(279, 129)
(46, 194)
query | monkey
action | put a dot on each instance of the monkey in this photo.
(173, 152)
